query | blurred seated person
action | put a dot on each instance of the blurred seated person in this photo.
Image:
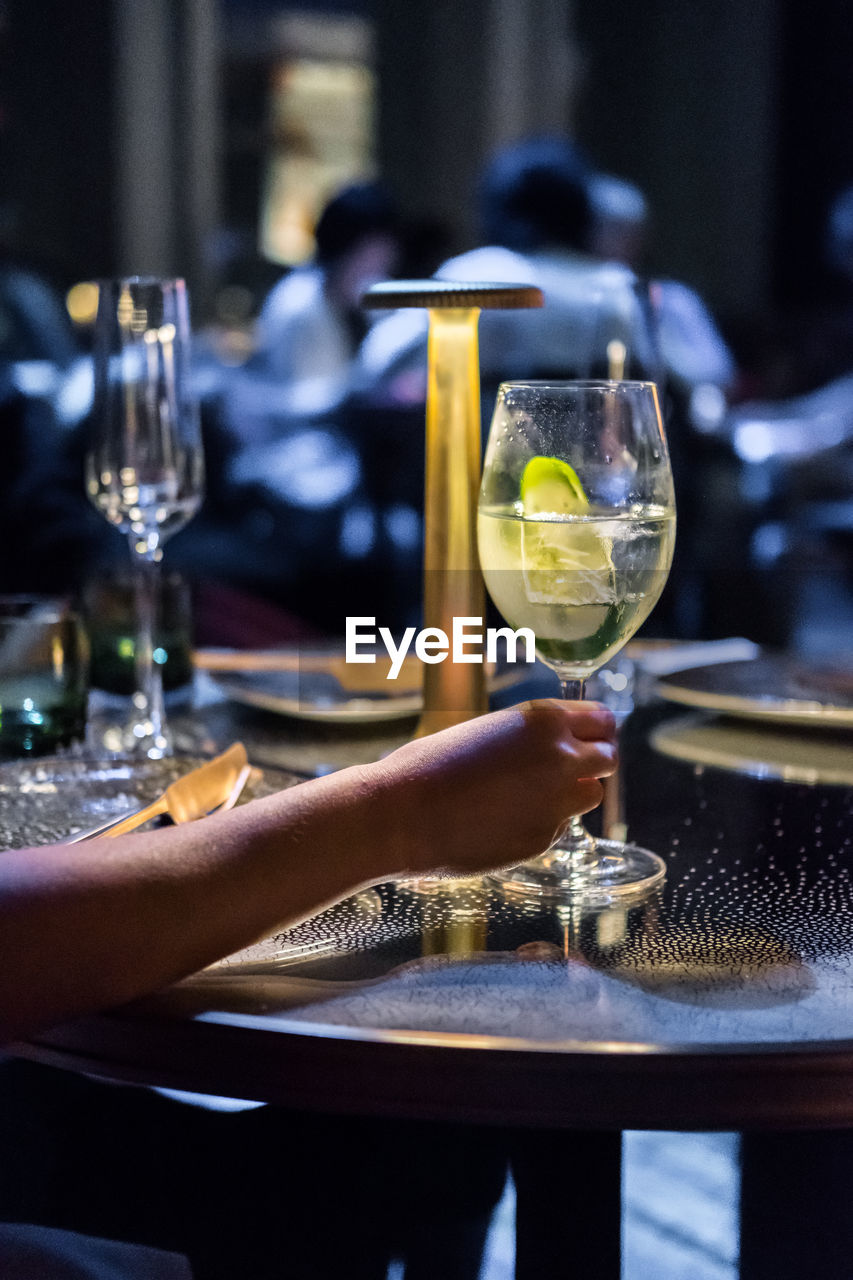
(822, 343)
(839, 255)
(38, 346)
(803, 442)
(692, 350)
(46, 524)
(288, 515)
(311, 324)
(294, 518)
(548, 219)
(34, 324)
(544, 213)
(536, 218)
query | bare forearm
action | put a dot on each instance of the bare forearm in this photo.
(93, 925)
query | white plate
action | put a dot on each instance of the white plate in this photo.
(814, 757)
(310, 697)
(317, 685)
(771, 688)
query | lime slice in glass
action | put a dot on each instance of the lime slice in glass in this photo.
(565, 554)
(551, 485)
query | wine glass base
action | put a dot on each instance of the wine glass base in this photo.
(151, 748)
(620, 872)
(105, 735)
(441, 886)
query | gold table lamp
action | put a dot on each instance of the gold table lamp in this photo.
(453, 584)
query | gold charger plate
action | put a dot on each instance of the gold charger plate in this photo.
(771, 688)
(811, 756)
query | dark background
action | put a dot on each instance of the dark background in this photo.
(734, 118)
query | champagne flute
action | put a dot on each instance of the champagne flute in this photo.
(144, 469)
(576, 527)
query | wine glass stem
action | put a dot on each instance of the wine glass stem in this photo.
(572, 689)
(575, 842)
(149, 682)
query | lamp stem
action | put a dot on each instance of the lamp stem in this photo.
(453, 583)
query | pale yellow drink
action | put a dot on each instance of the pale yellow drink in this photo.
(583, 582)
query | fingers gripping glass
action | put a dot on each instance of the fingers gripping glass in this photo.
(576, 526)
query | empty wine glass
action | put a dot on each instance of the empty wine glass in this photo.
(144, 469)
(576, 530)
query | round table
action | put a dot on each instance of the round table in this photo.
(725, 1000)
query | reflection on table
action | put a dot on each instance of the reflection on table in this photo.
(731, 983)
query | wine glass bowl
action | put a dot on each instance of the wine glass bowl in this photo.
(144, 467)
(576, 527)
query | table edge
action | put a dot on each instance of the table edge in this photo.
(444, 1079)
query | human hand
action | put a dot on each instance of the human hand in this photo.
(497, 790)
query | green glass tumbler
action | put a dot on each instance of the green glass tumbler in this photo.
(44, 676)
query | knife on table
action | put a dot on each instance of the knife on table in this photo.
(188, 797)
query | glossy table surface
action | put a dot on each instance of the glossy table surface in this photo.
(723, 1000)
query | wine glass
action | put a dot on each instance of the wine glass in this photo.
(576, 527)
(144, 469)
